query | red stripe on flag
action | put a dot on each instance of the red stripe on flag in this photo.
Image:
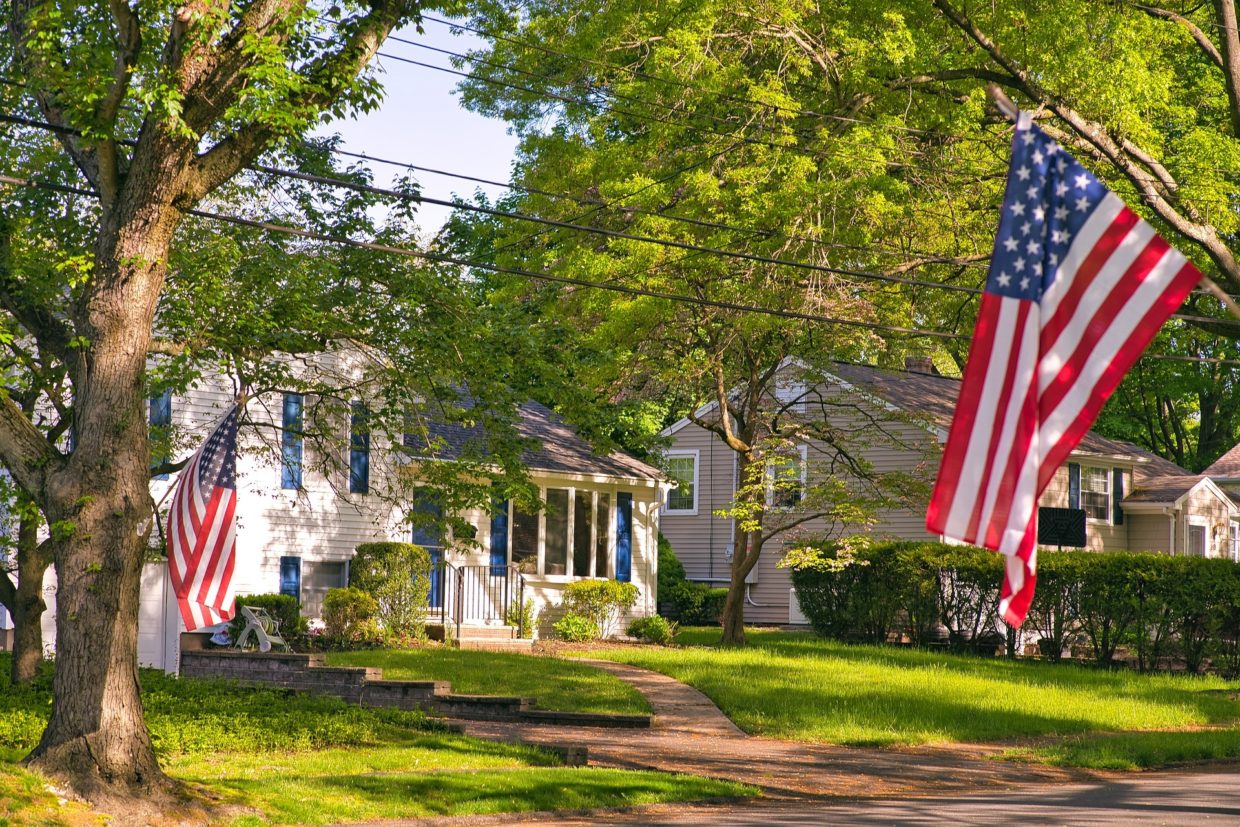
(966, 413)
(1001, 409)
(1100, 323)
(1107, 244)
(214, 557)
(1170, 299)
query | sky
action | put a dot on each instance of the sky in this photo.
(420, 121)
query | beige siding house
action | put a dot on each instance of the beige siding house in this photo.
(1132, 499)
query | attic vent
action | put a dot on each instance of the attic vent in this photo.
(792, 394)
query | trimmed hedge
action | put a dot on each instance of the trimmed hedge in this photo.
(398, 576)
(1158, 608)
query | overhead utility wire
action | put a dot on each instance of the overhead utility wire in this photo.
(315, 235)
(946, 258)
(679, 245)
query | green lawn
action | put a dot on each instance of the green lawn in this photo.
(279, 758)
(554, 683)
(801, 687)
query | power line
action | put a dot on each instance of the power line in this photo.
(314, 235)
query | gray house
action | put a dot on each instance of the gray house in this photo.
(1133, 500)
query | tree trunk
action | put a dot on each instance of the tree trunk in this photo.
(96, 740)
(748, 548)
(28, 604)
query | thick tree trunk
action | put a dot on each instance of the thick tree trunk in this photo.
(748, 548)
(96, 740)
(28, 605)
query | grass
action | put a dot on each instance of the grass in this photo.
(804, 688)
(554, 683)
(280, 758)
(1135, 750)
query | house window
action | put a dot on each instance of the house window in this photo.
(161, 422)
(602, 543)
(785, 479)
(1196, 540)
(1096, 493)
(583, 532)
(290, 577)
(1235, 541)
(524, 538)
(317, 579)
(426, 514)
(555, 559)
(569, 536)
(359, 449)
(682, 467)
(291, 441)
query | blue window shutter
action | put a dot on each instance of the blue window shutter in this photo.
(290, 576)
(1074, 485)
(359, 449)
(1117, 496)
(624, 537)
(291, 442)
(161, 417)
(499, 535)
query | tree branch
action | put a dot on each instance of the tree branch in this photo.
(1146, 183)
(326, 77)
(1202, 39)
(24, 452)
(20, 12)
(978, 73)
(128, 45)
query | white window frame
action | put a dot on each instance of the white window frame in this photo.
(697, 464)
(609, 532)
(803, 452)
(1233, 533)
(1110, 506)
(1197, 522)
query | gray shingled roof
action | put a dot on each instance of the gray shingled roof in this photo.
(1228, 465)
(1166, 489)
(557, 448)
(935, 398)
(1156, 466)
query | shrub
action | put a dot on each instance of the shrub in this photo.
(398, 577)
(696, 604)
(600, 601)
(283, 607)
(653, 629)
(671, 572)
(522, 616)
(349, 615)
(576, 628)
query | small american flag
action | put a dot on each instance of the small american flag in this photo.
(1078, 286)
(202, 529)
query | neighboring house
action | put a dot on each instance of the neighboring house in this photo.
(297, 529)
(1133, 500)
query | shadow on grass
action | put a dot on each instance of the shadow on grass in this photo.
(1135, 750)
(330, 798)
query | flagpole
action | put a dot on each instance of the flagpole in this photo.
(1012, 112)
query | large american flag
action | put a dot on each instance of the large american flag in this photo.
(202, 529)
(1078, 285)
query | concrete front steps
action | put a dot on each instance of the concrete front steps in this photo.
(366, 686)
(484, 637)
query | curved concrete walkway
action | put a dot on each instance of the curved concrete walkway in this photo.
(690, 735)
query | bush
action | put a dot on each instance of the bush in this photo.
(600, 601)
(653, 629)
(576, 628)
(1159, 606)
(671, 572)
(522, 616)
(696, 604)
(349, 615)
(283, 607)
(398, 577)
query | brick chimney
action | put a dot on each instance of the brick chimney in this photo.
(920, 364)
